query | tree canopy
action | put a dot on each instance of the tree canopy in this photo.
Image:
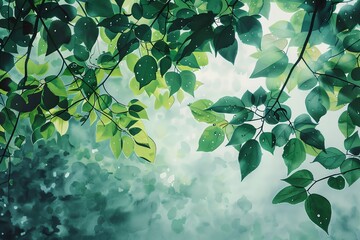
(59, 59)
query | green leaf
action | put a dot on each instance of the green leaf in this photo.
(337, 183)
(347, 94)
(137, 11)
(290, 194)
(104, 132)
(188, 81)
(282, 29)
(272, 63)
(47, 130)
(294, 154)
(330, 158)
(242, 134)
(313, 137)
(317, 102)
(282, 133)
(19, 140)
(201, 114)
(249, 157)
(214, 5)
(211, 138)
(303, 121)
(230, 52)
(86, 31)
(354, 111)
(173, 80)
(350, 169)
(228, 105)
(95, 8)
(268, 141)
(242, 116)
(351, 42)
(301, 178)
(345, 124)
(59, 33)
(143, 32)
(355, 74)
(318, 209)
(145, 70)
(249, 30)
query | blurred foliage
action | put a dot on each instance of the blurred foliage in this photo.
(58, 57)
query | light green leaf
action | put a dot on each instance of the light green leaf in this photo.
(116, 144)
(211, 138)
(201, 114)
(271, 63)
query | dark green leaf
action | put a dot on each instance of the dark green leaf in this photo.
(145, 70)
(318, 209)
(249, 157)
(165, 64)
(301, 178)
(352, 143)
(86, 31)
(268, 141)
(355, 74)
(136, 11)
(95, 8)
(228, 105)
(336, 182)
(290, 194)
(242, 134)
(59, 33)
(224, 37)
(294, 154)
(330, 158)
(352, 41)
(143, 32)
(313, 137)
(7, 61)
(249, 30)
(117, 23)
(354, 111)
(211, 138)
